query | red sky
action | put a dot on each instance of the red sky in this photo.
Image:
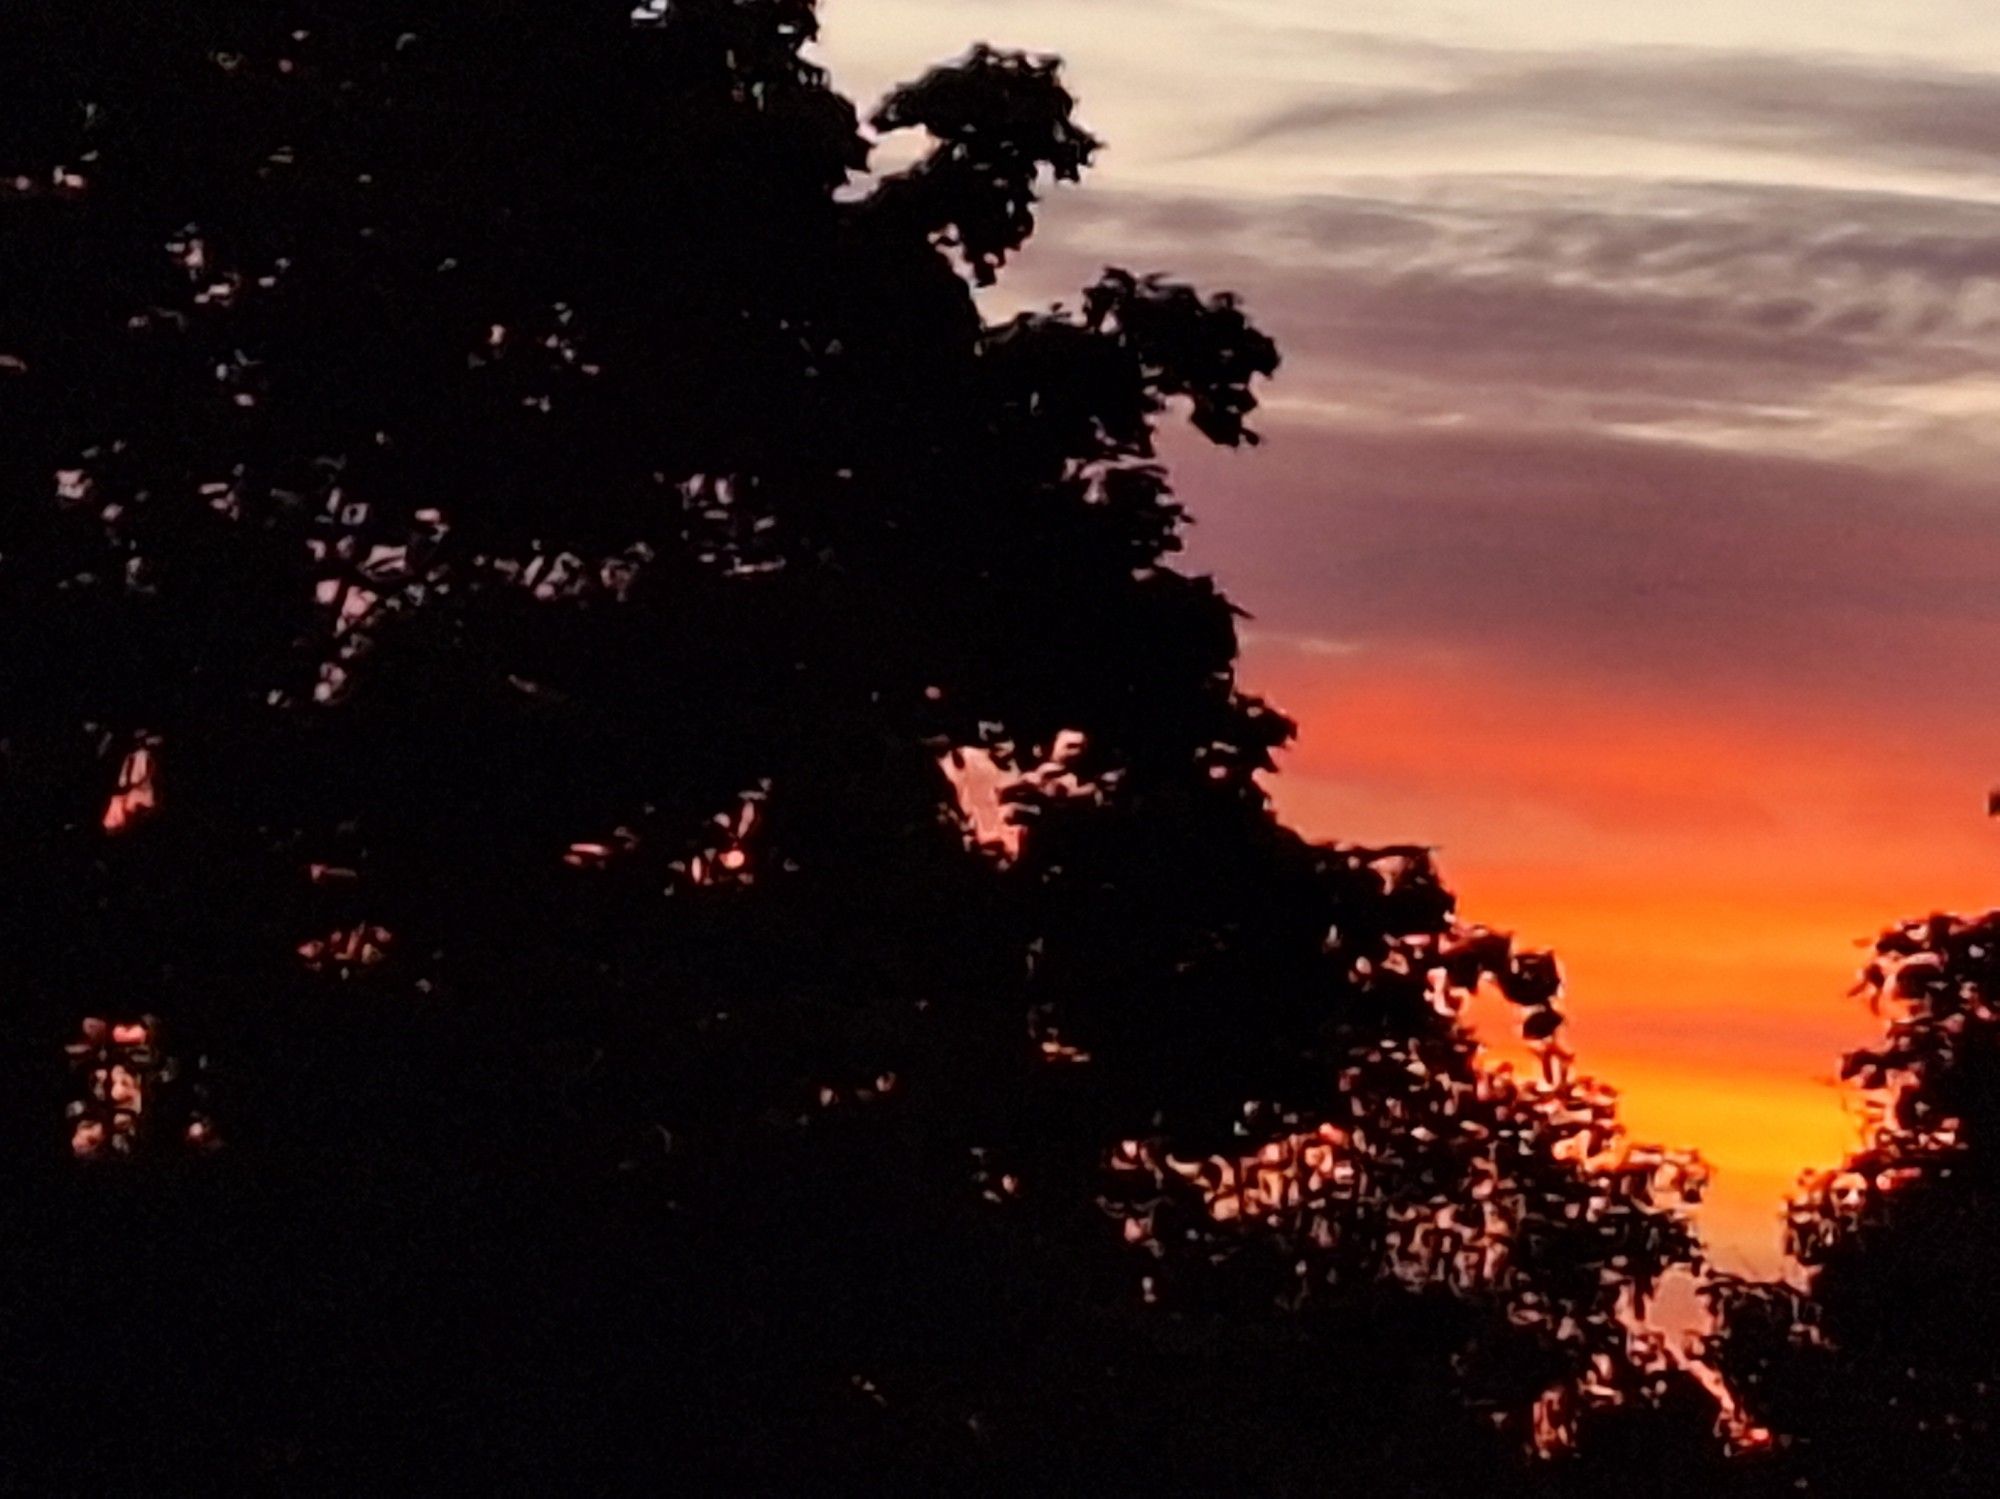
(1629, 525)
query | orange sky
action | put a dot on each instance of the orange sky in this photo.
(1629, 525)
(1705, 882)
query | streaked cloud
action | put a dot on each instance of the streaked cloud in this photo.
(1925, 117)
(1747, 310)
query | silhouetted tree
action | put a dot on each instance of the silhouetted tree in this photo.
(514, 528)
(1881, 1364)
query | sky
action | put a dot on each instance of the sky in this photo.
(1628, 524)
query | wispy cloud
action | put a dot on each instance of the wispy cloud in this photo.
(1916, 116)
(1794, 318)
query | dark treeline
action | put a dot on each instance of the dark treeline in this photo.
(510, 535)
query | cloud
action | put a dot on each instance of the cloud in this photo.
(1920, 117)
(1481, 290)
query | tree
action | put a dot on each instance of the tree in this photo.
(1881, 1362)
(515, 528)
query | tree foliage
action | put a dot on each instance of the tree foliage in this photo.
(1883, 1361)
(516, 526)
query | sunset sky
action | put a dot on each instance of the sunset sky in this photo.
(1627, 523)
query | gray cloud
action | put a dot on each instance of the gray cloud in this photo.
(1925, 118)
(1549, 300)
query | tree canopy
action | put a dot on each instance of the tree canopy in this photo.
(1882, 1361)
(523, 542)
